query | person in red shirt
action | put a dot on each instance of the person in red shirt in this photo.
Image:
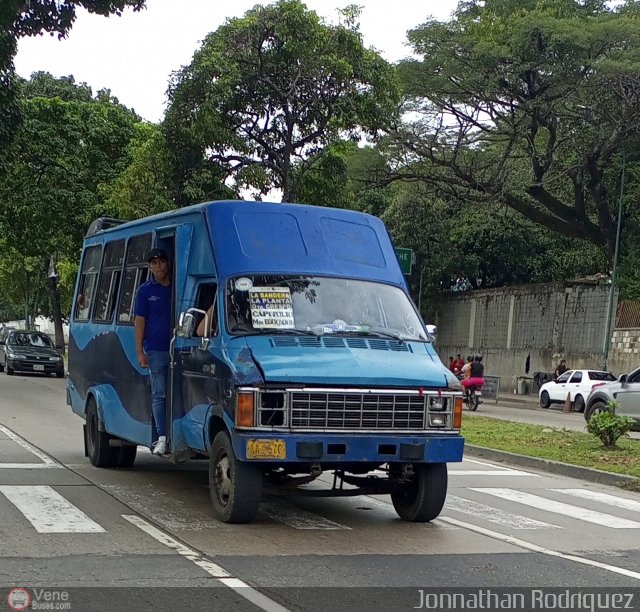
(456, 366)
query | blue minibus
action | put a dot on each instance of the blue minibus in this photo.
(313, 356)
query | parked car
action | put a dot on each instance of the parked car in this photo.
(575, 383)
(625, 390)
(29, 351)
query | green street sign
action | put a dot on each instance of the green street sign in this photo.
(405, 257)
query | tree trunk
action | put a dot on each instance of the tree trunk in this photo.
(54, 296)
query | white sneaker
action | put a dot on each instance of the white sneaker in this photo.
(160, 446)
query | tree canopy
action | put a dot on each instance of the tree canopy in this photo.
(530, 104)
(271, 89)
(18, 19)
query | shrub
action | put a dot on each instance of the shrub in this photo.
(608, 426)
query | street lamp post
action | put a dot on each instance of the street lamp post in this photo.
(612, 289)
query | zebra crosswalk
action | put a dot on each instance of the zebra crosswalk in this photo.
(45, 510)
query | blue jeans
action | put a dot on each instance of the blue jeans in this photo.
(158, 374)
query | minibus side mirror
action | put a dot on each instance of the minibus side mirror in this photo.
(185, 325)
(432, 330)
(623, 379)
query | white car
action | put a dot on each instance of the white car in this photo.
(576, 384)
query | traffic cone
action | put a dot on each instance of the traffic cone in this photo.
(567, 404)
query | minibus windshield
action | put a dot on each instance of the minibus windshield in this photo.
(320, 305)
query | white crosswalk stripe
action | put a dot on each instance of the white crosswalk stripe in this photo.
(556, 507)
(603, 498)
(48, 511)
(296, 517)
(494, 515)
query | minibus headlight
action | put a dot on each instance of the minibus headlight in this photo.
(245, 408)
(437, 403)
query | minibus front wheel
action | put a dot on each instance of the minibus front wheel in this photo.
(421, 498)
(235, 486)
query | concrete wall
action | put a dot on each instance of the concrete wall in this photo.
(538, 324)
(625, 349)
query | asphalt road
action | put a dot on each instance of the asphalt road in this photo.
(145, 539)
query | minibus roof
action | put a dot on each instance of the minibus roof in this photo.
(263, 237)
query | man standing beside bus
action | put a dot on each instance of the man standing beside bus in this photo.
(153, 334)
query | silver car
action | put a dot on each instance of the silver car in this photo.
(625, 390)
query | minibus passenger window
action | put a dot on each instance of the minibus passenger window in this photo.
(109, 281)
(88, 279)
(135, 274)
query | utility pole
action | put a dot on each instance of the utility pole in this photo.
(612, 289)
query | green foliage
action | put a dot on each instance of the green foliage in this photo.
(609, 427)
(269, 91)
(527, 104)
(64, 151)
(143, 187)
(19, 18)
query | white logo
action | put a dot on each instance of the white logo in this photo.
(18, 599)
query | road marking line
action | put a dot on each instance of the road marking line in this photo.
(27, 466)
(237, 585)
(48, 511)
(497, 472)
(550, 505)
(494, 515)
(541, 549)
(604, 498)
(297, 517)
(32, 449)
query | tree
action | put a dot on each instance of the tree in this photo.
(528, 103)
(268, 91)
(18, 19)
(63, 151)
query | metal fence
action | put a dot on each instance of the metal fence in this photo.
(628, 314)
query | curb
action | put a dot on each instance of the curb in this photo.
(553, 467)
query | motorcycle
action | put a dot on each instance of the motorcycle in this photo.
(473, 395)
(472, 399)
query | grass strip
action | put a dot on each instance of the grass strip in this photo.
(563, 445)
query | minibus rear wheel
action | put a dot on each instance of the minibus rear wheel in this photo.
(101, 454)
(235, 486)
(422, 498)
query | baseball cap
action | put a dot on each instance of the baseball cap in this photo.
(160, 253)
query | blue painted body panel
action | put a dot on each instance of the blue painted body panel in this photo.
(346, 366)
(359, 447)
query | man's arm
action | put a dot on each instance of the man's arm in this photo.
(139, 324)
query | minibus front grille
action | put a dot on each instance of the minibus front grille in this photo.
(338, 410)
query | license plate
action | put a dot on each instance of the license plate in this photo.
(266, 449)
(38, 368)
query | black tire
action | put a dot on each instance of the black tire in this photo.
(59, 374)
(235, 486)
(545, 400)
(595, 408)
(578, 403)
(101, 454)
(126, 456)
(1, 367)
(423, 498)
(473, 401)
(8, 370)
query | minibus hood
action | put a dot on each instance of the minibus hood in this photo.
(367, 362)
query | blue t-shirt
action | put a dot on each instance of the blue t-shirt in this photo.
(153, 302)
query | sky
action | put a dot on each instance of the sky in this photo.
(134, 55)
